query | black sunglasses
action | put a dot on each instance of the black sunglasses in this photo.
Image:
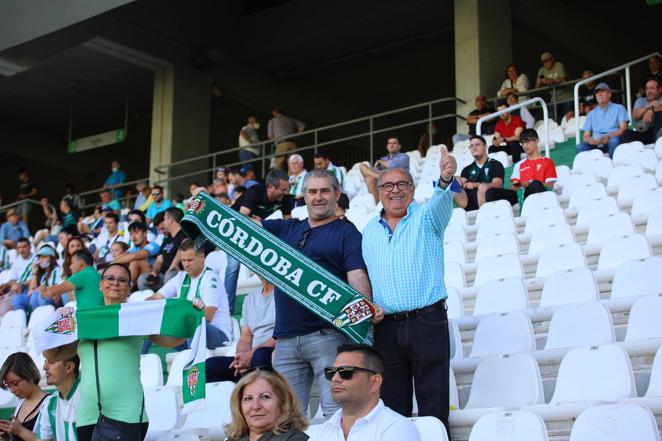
(345, 372)
(302, 242)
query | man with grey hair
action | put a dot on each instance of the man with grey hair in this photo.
(298, 173)
(306, 344)
(259, 202)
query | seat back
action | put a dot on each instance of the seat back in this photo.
(151, 371)
(621, 174)
(39, 314)
(615, 252)
(454, 252)
(499, 243)
(217, 412)
(655, 383)
(611, 225)
(455, 232)
(505, 333)
(515, 425)
(454, 303)
(646, 201)
(501, 295)
(454, 275)
(580, 324)
(539, 200)
(550, 236)
(633, 186)
(585, 193)
(494, 225)
(544, 216)
(561, 258)
(604, 373)
(576, 285)
(615, 422)
(575, 181)
(430, 428)
(638, 278)
(498, 267)
(487, 211)
(644, 321)
(594, 209)
(162, 407)
(506, 380)
(654, 222)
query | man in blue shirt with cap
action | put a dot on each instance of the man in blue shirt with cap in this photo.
(604, 124)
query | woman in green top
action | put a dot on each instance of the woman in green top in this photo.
(265, 408)
(118, 367)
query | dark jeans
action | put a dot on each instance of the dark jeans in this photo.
(85, 432)
(218, 368)
(416, 348)
(513, 148)
(496, 194)
(647, 137)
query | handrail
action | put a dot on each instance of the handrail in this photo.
(628, 96)
(6, 207)
(162, 169)
(515, 107)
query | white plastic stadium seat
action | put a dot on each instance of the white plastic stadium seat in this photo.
(576, 181)
(459, 216)
(621, 174)
(632, 187)
(550, 236)
(455, 232)
(489, 210)
(626, 150)
(162, 406)
(544, 216)
(584, 324)
(539, 200)
(593, 209)
(509, 426)
(39, 314)
(652, 399)
(151, 371)
(498, 267)
(175, 374)
(654, 223)
(604, 373)
(499, 224)
(619, 250)
(455, 340)
(499, 243)
(14, 319)
(645, 202)
(182, 437)
(501, 295)
(11, 337)
(625, 422)
(639, 277)
(454, 252)
(585, 193)
(430, 428)
(564, 257)
(454, 275)
(610, 226)
(644, 321)
(454, 303)
(583, 158)
(600, 167)
(646, 158)
(658, 173)
(211, 420)
(658, 147)
(575, 285)
(505, 333)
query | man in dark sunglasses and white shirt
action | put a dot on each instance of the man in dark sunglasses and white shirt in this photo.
(356, 380)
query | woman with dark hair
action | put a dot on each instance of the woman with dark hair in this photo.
(515, 82)
(74, 244)
(115, 364)
(265, 407)
(21, 377)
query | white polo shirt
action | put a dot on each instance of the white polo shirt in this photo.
(381, 424)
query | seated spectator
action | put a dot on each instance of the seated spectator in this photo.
(297, 175)
(20, 376)
(83, 284)
(654, 71)
(394, 159)
(478, 177)
(586, 94)
(200, 282)
(534, 174)
(107, 201)
(74, 244)
(13, 229)
(256, 343)
(265, 407)
(143, 193)
(21, 269)
(506, 134)
(67, 217)
(166, 265)
(110, 233)
(235, 180)
(515, 83)
(92, 224)
(71, 195)
(322, 161)
(45, 272)
(160, 204)
(4, 259)
(249, 174)
(647, 115)
(116, 178)
(481, 110)
(522, 112)
(356, 379)
(178, 201)
(605, 124)
(551, 73)
(139, 216)
(142, 255)
(119, 249)
(57, 420)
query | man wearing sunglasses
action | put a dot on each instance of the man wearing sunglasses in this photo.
(356, 380)
(403, 249)
(158, 203)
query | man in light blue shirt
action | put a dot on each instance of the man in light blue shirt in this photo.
(604, 124)
(117, 177)
(394, 159)
(13, 229)
(404, 253)
(159, 203)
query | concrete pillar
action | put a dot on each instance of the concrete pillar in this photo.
(180, 124)
(483, 49)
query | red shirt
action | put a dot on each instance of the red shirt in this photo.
(508, 130)
(541, 169)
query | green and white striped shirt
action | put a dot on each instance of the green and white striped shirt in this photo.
(57, 419)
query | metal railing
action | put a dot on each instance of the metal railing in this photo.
(496, 114)
(124, 186)
(628, 95)
(7, 207)
(318, 139)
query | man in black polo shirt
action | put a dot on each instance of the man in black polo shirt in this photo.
(479, 176)
(260, 201)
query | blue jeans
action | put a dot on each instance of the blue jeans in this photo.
(611, 146)
(302, 359)
(231, 277)
(33, 300)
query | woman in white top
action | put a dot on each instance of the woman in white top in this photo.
(515, 82)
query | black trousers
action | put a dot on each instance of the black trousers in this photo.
(496, 194)
(218, 368)
(416, 348)
(647, 137)
(513, 148)
(85, 432)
